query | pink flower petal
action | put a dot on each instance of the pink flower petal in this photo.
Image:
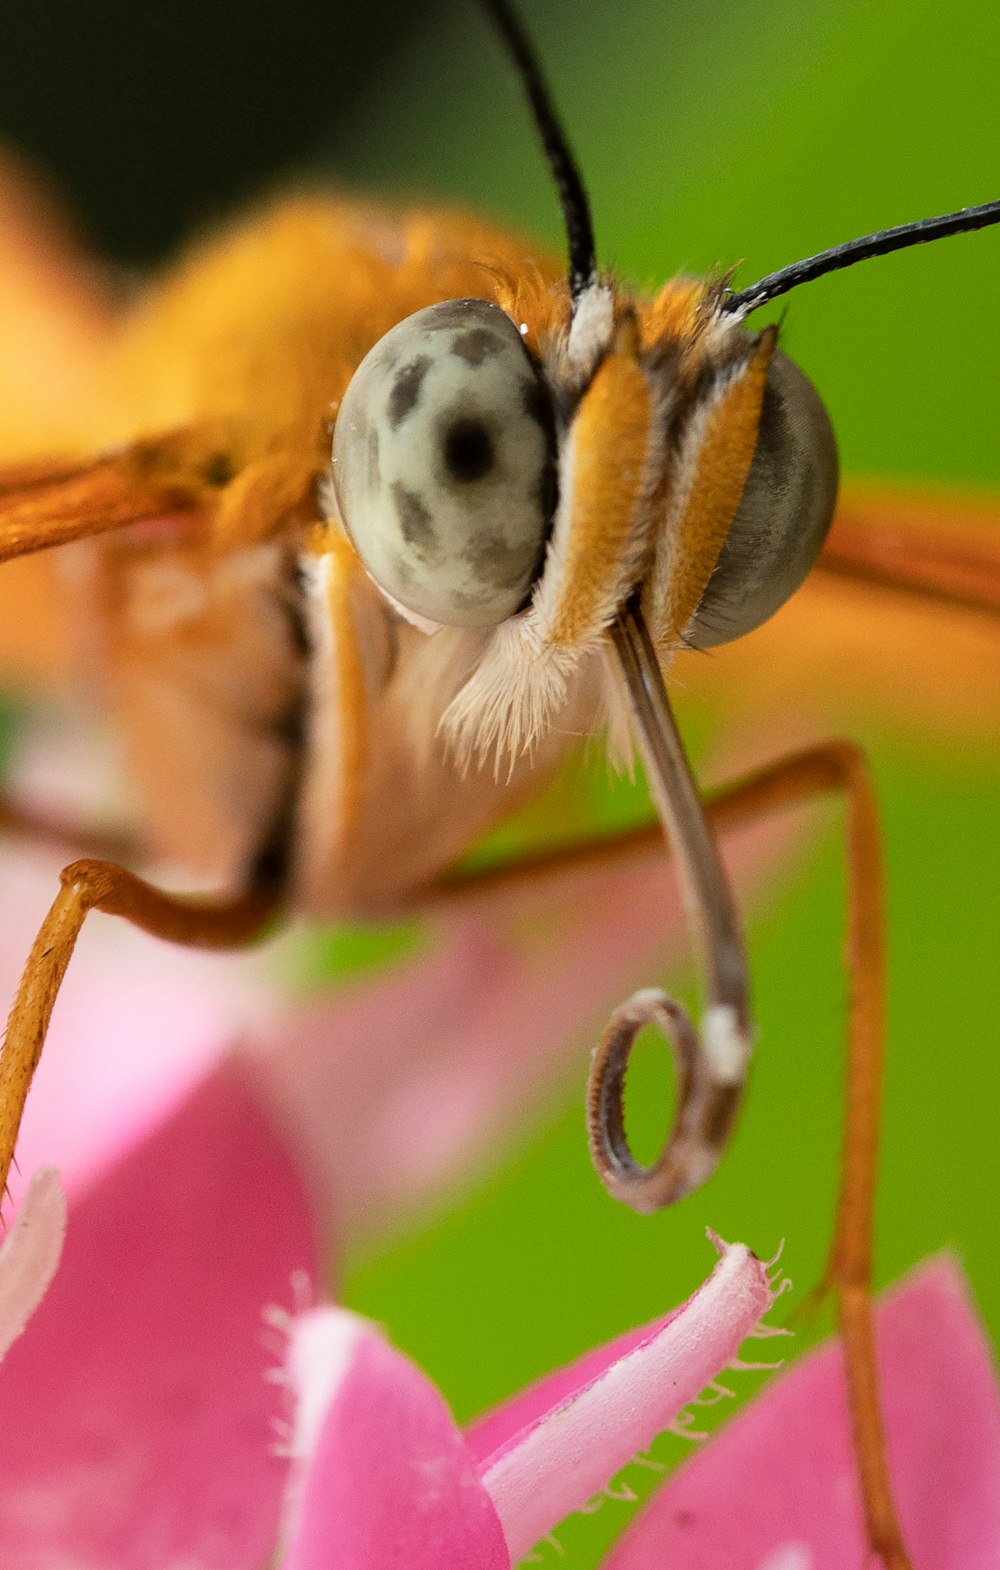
(776, 1489)
(391, 1484)
(564, 1457)
(494, 1429)
(137, 1417)
(30, 1253)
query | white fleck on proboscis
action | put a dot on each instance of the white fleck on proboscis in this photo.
(725, 1044)
(700, 1161)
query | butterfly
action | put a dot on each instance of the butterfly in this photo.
(364, 557)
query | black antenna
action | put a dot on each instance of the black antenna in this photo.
(575, 206)
(880, 244)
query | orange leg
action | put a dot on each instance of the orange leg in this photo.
(947, 552)
(841, 766)
(834, 766)
(42, 505)
(105, 886)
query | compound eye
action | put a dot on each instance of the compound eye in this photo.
(784, 513)
(444, 464)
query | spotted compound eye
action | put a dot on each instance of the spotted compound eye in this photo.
(444, 464)
(783, 516)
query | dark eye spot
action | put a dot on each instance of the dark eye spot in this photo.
(498, 565)
(535, 404)
(415, 522)
(468, 450)
(406, 389)
(476, 345)
(455, 313)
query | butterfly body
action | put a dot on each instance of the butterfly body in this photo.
(260, 692)
(272, 699)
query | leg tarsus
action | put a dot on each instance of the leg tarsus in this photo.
(103, 885)
(857, 1333)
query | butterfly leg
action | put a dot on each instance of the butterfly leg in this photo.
(105, 886)
(832, 767)
(841, 766)
(942, 552)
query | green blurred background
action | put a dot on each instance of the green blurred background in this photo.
(707, 133)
